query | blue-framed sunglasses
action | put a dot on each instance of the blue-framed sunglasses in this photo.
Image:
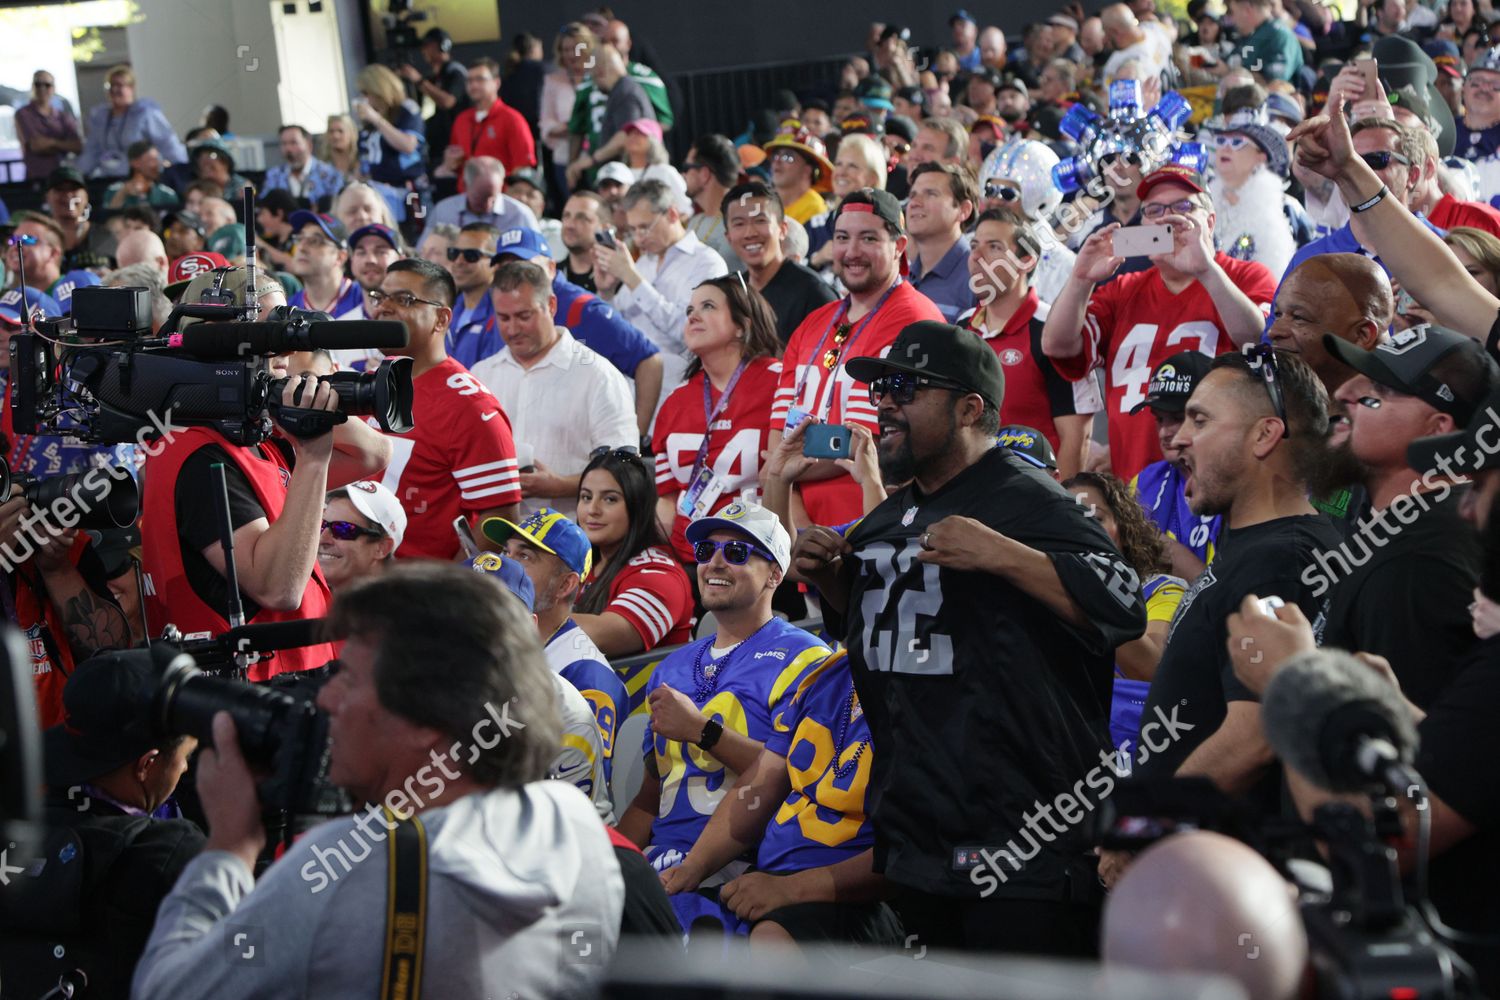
(737, 552)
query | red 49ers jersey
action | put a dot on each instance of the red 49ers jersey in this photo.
(458, 458)
(739, 434)
(1134, 324)
(653, 594)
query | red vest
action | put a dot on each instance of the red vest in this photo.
(169, 596)
(51, 656)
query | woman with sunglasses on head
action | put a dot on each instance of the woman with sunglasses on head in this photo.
(1110, 501)
(1247, 185)
(711, 431)
(637, 597)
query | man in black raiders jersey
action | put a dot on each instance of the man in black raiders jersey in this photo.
(980, 605)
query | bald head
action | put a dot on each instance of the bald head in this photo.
(142, 246)
(1118, 17)
(1203, 902)
(1345, 294)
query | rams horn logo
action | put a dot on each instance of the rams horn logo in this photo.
(487, 562)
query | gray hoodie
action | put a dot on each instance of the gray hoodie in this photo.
(524, 900)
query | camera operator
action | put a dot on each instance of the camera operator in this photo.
(1463, 798)
(110, 785)
(452, 693)
(276, 492)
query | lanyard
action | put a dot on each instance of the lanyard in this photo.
(838, 316)
(709, 416)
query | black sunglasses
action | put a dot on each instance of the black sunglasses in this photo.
(1133, 159)
(1381, 158)
(902, 387)
(348, 531)
(736, 552)
(470, 254)
(1262, 359)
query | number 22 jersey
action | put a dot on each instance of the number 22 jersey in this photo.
(1134, 324)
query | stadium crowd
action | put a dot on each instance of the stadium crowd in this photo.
(857, 500)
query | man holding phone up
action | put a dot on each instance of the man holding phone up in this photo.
(869, 241)
(1192, 298)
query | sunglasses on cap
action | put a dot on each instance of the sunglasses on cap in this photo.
(1381, 158)
(348, 531)
(469, 254)
(902, 387)
(1262, 360)
(736, 551)
(1005, 192)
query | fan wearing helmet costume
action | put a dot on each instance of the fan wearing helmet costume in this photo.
(1021, 170)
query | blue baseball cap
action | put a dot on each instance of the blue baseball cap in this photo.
(375, 229)
(1028, 444)
(36, 301)
(527, 244)
(332, 228)
(550, 531)
(63, 288)
(508, 572)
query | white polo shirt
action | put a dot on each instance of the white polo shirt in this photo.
(562, 408)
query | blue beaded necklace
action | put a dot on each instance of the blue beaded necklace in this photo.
(706, 676)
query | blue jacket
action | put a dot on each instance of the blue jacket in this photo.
(105, 142)
(323, 180)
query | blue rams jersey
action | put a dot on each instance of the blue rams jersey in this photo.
(749, 685)
(1159, 488)
(573, 655)
(822, 733)
(472, 334)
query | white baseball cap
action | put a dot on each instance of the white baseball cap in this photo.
(615, 171)
(750, 519)
(380, 505)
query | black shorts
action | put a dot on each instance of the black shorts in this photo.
(841, 923)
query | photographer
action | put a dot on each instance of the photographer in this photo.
(275, 493)
(110, 786)
(512, 862)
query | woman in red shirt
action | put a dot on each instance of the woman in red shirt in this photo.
(712, 430)
(637, 597)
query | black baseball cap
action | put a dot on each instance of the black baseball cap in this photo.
(879, 202)
(65, 177)
(1476, 448)
(1443, 368)
(940, 351)
(1029, 444)
(1173, 382)
(106, 725)
(902, 126)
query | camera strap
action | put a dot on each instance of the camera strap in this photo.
(405, 909)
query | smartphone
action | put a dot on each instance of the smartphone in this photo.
(1370, 70)
(826, 441)
(1142, 241)
(465, 537)
(605, 237)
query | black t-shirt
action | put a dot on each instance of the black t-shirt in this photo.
(981, 701)
(1462, 881)
(793, 292)
(198, 520)
(1400, 588)
(452, 78)
(583, 279)
(1195, 679)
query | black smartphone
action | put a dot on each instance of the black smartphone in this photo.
(605, 237)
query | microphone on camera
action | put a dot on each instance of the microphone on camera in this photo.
(224, 341)
(1340, 724)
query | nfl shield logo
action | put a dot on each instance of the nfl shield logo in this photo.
(908, 517)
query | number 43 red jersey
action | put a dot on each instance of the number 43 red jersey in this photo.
(1134, 324)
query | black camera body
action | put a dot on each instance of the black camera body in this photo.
(101, 377)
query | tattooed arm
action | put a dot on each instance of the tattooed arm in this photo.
(91, 622)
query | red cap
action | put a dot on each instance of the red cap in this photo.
(1172, 173)
(190, 265)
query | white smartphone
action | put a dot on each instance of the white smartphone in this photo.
(1142, 241)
